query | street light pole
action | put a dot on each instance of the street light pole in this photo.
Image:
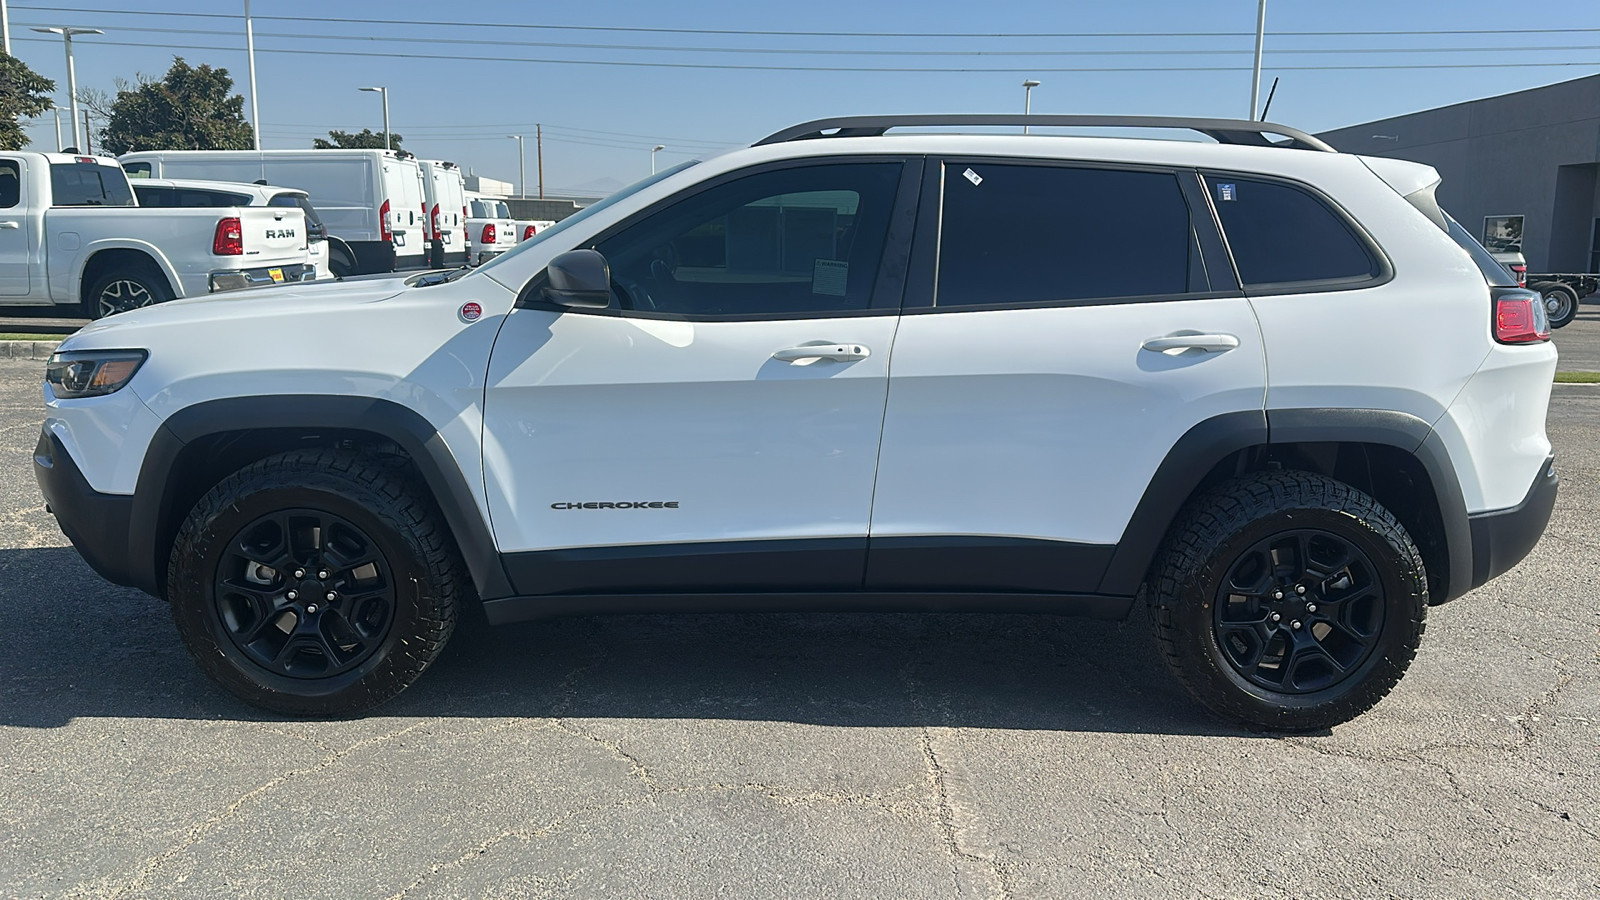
(1027, 99)
(1255, 80)
(5, 28)
(522, 166)
(653, 156)
(387, 144)
(66, 33)
(250, 48)
(538, 143)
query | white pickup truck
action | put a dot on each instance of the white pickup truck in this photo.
(71, 232)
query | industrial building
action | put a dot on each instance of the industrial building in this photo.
(1521, 170)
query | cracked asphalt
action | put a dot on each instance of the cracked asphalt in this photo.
(797, 756)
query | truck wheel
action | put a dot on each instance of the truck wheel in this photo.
(120, 290)
(315, 582)
(1287, 601)
(1561, 304)
(339, 263)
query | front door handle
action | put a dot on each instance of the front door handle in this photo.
(1210, 343)
(10, 224)
(835, 352)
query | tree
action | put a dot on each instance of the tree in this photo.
(365, 139)
(23, 95)
(188, 109)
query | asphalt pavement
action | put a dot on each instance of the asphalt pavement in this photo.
(796, 756)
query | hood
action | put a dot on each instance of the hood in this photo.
(241, 307)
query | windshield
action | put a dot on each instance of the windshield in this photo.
(586, 212)
(1494, 273)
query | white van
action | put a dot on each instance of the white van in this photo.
(370, 200)
(444, 192)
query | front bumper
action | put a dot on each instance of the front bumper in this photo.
(97, 524)
(239, 279)
(1502, 538)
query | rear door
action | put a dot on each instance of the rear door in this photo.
(1062, 332)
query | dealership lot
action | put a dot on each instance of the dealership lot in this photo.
(828, 756)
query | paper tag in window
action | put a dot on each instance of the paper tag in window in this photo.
(972, 176)
(1225, 192)
(830, 277)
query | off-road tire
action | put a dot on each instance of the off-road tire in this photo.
(380, 495)
(1215, 530)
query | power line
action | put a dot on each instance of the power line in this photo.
(761, 33)
(793, 51)
(877, 69)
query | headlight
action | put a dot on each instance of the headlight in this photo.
(91, 373)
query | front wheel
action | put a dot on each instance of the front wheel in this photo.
(1288, 600)
(315, 582)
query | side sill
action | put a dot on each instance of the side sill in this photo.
(522, 609)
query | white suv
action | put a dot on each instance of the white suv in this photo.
(848, 370)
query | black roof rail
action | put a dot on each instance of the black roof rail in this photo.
(1223, 131)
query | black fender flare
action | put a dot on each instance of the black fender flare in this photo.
(152, 516)
(1213, 440)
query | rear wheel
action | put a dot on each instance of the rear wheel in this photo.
(1560, 304)
(121, 290)
(1287, 600)
(315, 582)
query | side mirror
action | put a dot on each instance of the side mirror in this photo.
(579, 278)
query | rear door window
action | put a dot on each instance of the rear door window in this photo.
(89, 184)
(1041, 234)
(1283, 235)
(10, 183)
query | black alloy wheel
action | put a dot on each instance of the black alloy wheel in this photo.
(1299, 612)
(304, 593)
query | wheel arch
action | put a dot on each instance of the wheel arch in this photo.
(1393, 456)
(102, 256)
(202, 444)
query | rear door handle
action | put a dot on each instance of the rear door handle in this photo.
(10, 224)
(1210, 343)
(836, 352)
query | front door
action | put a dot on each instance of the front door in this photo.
(717, 427)
(16, 255)
(1066, 334)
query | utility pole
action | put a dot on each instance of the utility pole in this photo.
(250, 48)
(538, 131)
(88, 136)
(5, 28)
(1255, 81)
(59, 146)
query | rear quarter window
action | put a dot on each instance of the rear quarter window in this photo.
(1282, 235)
(88, 184)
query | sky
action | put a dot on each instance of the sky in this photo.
(605, 94)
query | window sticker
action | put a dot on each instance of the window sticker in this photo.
(1226, 192)
(973, 177)
(830, 277)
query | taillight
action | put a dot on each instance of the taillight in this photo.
(384, 233)
(229, 238)
(529, 231)
(488, 234)
(1522, 274)
(426, 233)
(1519, 317)
(436, 220)
(463, 215)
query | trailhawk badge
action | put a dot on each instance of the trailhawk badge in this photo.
(471, 312)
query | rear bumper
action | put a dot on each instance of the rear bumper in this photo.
(239, 279)
(97, 524)
(1502, 538)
